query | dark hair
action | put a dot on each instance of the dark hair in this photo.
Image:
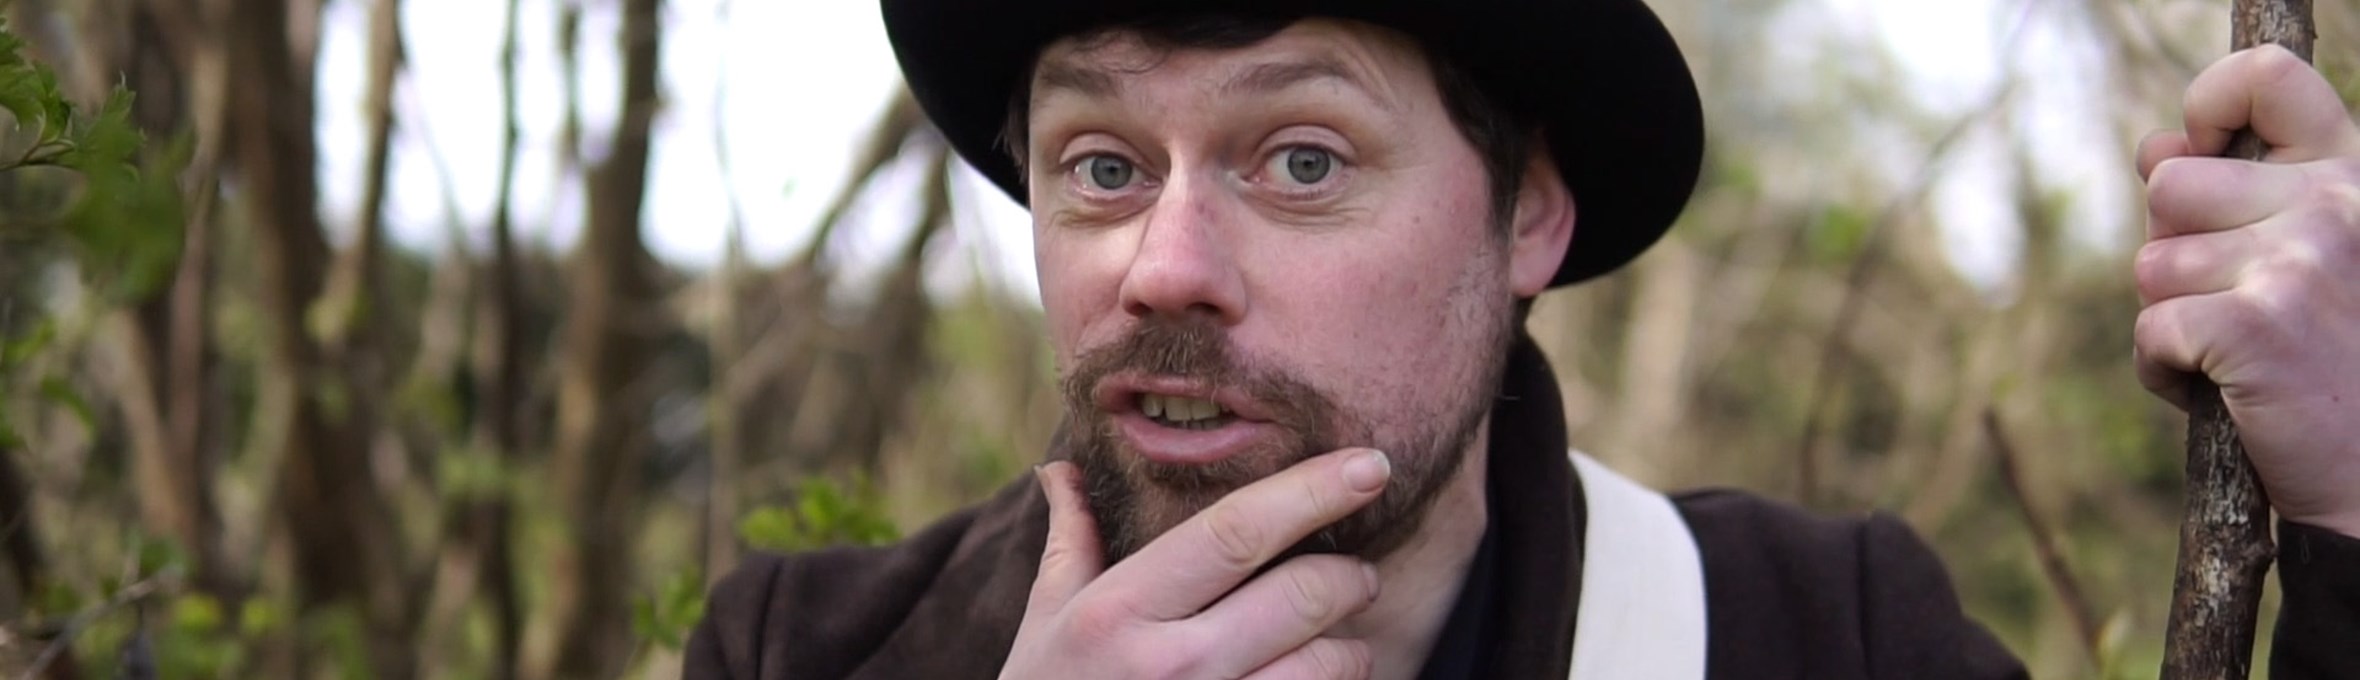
(1502, 137)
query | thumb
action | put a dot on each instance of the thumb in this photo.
(1072, 558)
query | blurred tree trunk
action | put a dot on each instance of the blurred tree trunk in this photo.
(477, 549)
(163, 386)
(499, 370)
(727, 411)
(891, 343)
(609, 335)
(801, 354)
(345, 546)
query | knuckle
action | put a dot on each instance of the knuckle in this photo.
(2150, 267)
(1236, 536)
(2277, 301)
(1342, 659)
(2338, 205)
(1161, 661)
(1308, 593)
(2163, 180)
(2327, 224)
(1324, 499)
(2297, 263)
(1096, 621)
(2152, 331)
(1058, 556)
(2274, 63)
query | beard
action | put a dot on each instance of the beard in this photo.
(1136, 499)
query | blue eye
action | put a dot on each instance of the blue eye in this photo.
(1305, 164)
(1106, 173)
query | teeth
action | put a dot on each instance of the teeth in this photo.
(1176, 409)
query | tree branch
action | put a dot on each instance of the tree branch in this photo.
(2225, 547)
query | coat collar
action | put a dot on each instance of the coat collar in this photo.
(972, 605)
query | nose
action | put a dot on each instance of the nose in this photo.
(1186, 263)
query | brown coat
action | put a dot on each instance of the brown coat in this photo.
(1789, 594)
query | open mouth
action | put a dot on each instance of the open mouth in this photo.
(1185, 413)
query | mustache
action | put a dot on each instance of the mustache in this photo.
(1194, 347)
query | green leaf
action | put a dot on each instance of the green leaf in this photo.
(196, 613)
(769, 529)
(823, 515)
(127, 221)
(29, 90)
(57, 599)
(19, 349)
(259, 617)
(667, 615)
(20, 91)
(108, 142)
(466, 473)
(158, 555)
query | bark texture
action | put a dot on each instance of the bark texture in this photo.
(341, 533)
(2225, 547)
(611, 328)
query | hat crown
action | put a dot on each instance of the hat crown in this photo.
(1611, 91)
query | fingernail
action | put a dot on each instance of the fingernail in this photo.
(1367, 471)
(1369, 571)
(1041, 476)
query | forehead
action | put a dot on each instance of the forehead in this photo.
(1380, 63)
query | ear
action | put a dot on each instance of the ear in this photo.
(1542, 227)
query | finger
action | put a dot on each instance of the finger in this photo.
(1284, 608)
(2193, 194)
(2160, 146)
(1321, 659)
(2285, 101)
(1180, 572)
(1072, 556)
(2178, 338)
(2194, 264)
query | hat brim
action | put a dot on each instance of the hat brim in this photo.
(1605, 79)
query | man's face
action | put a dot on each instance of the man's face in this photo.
(1253, 256)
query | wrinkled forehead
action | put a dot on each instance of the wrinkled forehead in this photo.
(1106, 63)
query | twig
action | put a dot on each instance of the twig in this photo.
(1872, 248)
(2225, 547)
(2044, 543)
(74, 626)
(1856, 282)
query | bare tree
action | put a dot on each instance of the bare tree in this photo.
(342, 536)
(610, 332)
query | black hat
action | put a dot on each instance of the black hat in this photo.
(1603, 77)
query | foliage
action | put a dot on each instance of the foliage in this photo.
(125, 221)
(666, 616)
(823, 514)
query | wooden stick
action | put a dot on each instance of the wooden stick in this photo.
(2225, 546)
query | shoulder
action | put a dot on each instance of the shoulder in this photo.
(1793, 593)
(865, 611)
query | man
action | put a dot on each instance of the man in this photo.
(1285, 250)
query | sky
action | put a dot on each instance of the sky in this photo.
(792, 87)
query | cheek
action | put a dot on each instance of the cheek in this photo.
(1394, 343)
(1397, 289)
(1080, 278)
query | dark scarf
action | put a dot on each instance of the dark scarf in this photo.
(1533, 546)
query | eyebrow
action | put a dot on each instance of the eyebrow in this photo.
(1276, 76)
(1263, 78)
(1090, 82)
